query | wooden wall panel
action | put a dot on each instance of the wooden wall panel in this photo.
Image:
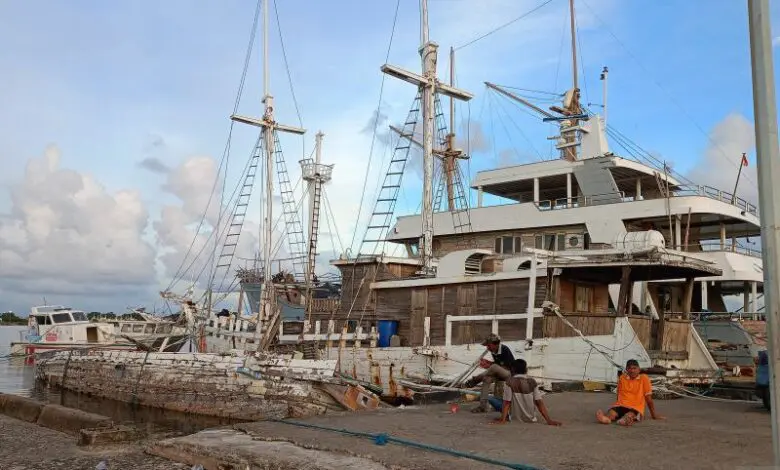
(588, 324)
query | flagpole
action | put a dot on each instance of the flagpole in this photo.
(742, 163)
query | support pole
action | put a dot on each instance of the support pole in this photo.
(768, 163)
(529, 319)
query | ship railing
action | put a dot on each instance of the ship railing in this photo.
(579, 201)
(681, 191)
(716, 194)
(292, 331)
(727, 247)
(494, 319)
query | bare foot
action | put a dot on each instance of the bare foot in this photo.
(602, 418)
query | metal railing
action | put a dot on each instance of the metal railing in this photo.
(682, 191)
(727, 247)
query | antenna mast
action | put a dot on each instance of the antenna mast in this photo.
(604, 76)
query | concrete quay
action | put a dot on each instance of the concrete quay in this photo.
(697, 434)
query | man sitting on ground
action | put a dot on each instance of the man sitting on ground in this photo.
(496, 373)
(521, 394)
(633, 392)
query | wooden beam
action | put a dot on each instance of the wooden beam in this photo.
(687, 298)
(624, 297)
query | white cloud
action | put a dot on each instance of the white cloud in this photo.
(719, 165)
(67, 235)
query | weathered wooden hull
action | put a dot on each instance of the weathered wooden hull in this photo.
(210, 384)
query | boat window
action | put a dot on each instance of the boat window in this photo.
(42, 320)
(149, 329)
(508, 245)
(61, 318)
(165, 329)
(138, 328)
(79, 316)
(126, 328)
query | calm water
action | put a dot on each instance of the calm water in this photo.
(15, 376)
(19, 378)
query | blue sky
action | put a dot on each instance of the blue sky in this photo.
(113, 83)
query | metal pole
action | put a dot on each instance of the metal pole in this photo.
(604, 76)
(573, 43)
(428, 56)
(768, 163)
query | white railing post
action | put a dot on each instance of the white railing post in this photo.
(427, 332)
(494, 326)
(447, 331)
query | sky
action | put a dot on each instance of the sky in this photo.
(114, 117)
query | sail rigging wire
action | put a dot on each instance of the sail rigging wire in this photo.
(376, 121)
(523, 134)
(226, 151)
(289, 75)
(499, 28)
(668, 95)
(218, 230)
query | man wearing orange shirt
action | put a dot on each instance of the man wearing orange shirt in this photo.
(633, 392)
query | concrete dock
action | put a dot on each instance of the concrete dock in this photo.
(697, 434)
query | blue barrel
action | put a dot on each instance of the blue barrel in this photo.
(386, 329)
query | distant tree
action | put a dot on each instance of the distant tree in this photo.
(10, 318)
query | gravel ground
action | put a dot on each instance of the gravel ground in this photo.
(26, 446)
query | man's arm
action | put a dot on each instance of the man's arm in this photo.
(649, 398)
(506, 406)
(543, 410)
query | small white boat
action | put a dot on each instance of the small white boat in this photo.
(57, 327)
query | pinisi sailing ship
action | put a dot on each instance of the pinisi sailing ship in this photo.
(250, 382)
(572, 223)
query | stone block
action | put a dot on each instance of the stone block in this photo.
(70, 420)
(108, 435)
(25, 409)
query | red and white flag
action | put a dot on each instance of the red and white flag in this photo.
(744, 160)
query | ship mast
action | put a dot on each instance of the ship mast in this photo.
(571, 100)
(429, 85)
(267, 314)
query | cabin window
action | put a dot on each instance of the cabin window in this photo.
(138, 328)
(42, 320)
(414, 249)
(127, 328)
(508, 245)
(149, 329)
(79, 316)
(61, 318)
(582, 298)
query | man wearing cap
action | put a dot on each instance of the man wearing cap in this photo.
(496, 373)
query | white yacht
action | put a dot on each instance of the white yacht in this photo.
(57, 327)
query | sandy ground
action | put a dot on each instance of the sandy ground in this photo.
(26, 446)
(697, 434)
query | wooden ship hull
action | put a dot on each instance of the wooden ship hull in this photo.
(392, 329)
(239, 387)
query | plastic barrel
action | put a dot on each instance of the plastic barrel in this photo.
(386, 329)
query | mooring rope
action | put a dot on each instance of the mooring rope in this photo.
(383, 438)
